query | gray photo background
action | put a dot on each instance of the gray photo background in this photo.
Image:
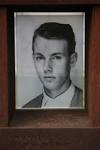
(27, 84)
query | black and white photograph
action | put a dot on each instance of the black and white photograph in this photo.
(49, 60)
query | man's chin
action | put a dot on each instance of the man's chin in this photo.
(49, 87)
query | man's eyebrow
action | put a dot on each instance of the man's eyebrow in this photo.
(56, 54)
(38, 54)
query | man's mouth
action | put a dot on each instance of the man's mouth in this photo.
(49, 78)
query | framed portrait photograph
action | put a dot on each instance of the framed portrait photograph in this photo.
(49, 60)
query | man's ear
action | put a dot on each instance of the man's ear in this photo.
(73, 59)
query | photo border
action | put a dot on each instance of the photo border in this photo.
(23, 14)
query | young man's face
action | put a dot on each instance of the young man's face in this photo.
(52, 62)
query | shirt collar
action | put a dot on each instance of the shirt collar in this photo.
(63, 100)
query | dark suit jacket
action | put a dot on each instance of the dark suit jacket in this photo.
(77, 100)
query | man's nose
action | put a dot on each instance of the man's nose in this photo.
(48, 66)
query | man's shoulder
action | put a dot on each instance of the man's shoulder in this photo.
(35, 102)
(78, 100)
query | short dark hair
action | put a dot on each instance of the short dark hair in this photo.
(53, 30)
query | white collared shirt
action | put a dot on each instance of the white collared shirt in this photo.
(63, 100)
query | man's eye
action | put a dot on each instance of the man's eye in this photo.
(39, 58)
(57, 57)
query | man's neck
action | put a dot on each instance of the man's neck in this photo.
(54, 93)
